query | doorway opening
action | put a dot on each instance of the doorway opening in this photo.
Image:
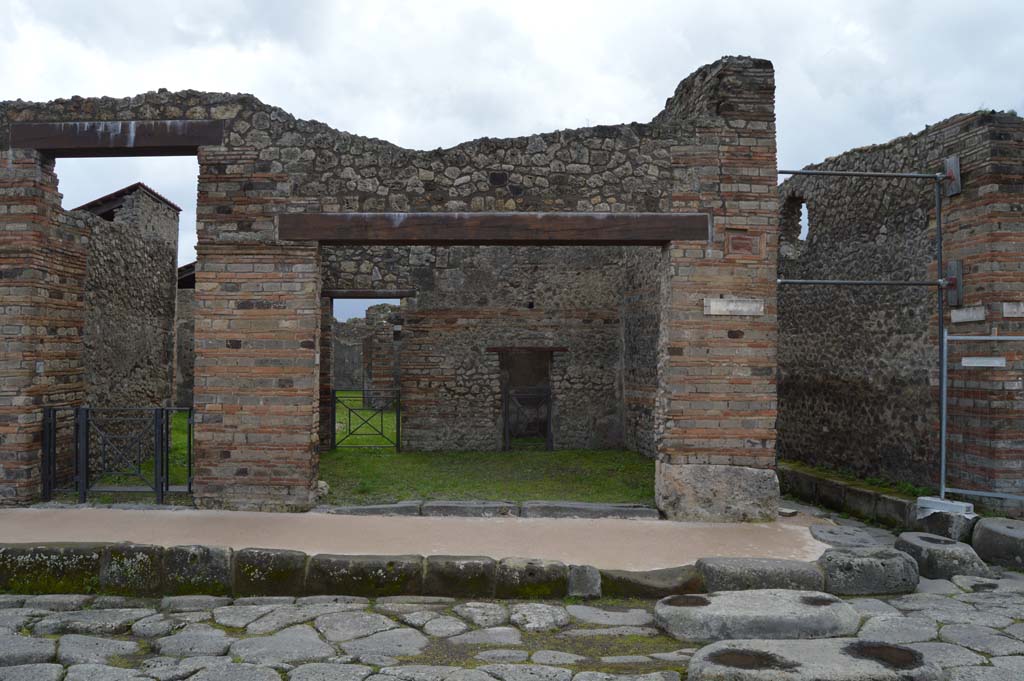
(527, 414)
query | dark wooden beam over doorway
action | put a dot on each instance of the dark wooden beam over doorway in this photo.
(117, 138)
(511, 229)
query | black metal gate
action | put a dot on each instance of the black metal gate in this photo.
(526, 413)
(115, 450)
(367, 418)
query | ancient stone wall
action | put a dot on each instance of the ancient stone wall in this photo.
(258, 307)
(858, 366)
(130, 287)
(347, 353)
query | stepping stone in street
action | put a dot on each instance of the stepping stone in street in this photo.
(32, 672)
(19, 650)
(483, 614)
(321, 671)
(899, 629)
(345, 626)
(526, 672)
(941, 558)
(758, 613)
(393, 643)
(290, 646)
(1000, 541)
(860, 571)
(194, 640)
(539, 616)
(834, 659)
(494, 636)
(634, 617)
(79, 649)
(100, 622)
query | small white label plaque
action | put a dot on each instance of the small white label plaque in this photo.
(997, 362)
(734, 306)
(1013, 309)
(968, 314)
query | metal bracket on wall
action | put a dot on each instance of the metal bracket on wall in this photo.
(951, 169)
(955, 283)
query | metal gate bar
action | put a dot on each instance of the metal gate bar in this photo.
(512, 399)
(378, 403)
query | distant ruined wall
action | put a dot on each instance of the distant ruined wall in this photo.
(347, 354)
(130, 285)
(858, 365)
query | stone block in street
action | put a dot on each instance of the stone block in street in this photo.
(866, 571)
(940, 557)
(1000, 541)
(737, 574)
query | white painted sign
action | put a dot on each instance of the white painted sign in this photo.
(734, 306)
(1013, 309)
(968, 314)
(997, 362)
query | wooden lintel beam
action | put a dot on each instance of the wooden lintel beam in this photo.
(527, 348)
(513, 229)
(117, 138)
(368, 293)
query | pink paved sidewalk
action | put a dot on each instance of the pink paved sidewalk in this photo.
(606, 543)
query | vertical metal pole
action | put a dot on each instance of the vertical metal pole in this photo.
(334, 418)
(940, 307)
(82, 451)
(398, 420)
(159, 460)
(943, 380)
(45, 480)
(188, 451)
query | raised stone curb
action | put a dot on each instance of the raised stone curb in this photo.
(365, 575)
(403, 508)
(841, 496)
(651, 583)
(837, 659)
(940, 557)
(460, 576)
(760, 613)
(866, 571)
(580, 509)
(1000, 541)
(531, 578)
(736, 574)
(469, 509)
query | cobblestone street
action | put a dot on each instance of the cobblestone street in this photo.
(972, 627)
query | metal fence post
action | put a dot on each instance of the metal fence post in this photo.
(159, 454)
(45, 468)
(943, 402)
(82, 452)
(398, 420)
(190, 434)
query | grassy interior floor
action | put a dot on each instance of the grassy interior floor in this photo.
(361, 476)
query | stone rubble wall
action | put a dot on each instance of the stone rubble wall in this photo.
(347, 353)
(859, 366)
(184, 347)
(130, 289)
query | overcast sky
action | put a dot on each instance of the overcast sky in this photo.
(433, 74)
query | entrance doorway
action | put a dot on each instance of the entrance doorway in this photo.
(526, 399)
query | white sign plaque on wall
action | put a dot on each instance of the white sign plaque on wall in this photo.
(734, 306)
(997, 362)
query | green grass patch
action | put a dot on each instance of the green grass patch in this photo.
(367, 476)
(360, 423)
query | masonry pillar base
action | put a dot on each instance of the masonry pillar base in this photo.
(716, 493)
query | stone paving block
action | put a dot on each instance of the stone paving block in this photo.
(107, 602)
(505, 655)
(240, 616)
(132, 569)
(395, 643)
(584, 581)
(192, 603)
(531, 579)
(50, 569)
(288, 615)
(626, 659)
(104, 622)
(320, 671)
(556, 657)
(601, 632)
(940, 557)
(236, 672)
(444, 626)
(289, 646)
(19, 650)
(317, 600)
(955, 526)
(834, 659)
(79, 649)
(102, 672)
(32, 672)
(981, 639)
(982, 674)
(365, 575)
(483, 614)
(470, 509)
(766, 613)
(492, 636)
(861, 571)
(844, 537)
(869, 607)
(462, 576)
(937, 586)
(582, 509)
(197, 570)
(651, 583)
(610, 618)
(11, 601)
(59, 602)
(736, 574)
(539, 616)
(346, 626)
(1012, 662)
(269, 572)
(603, 676)
(899, 629)
(195, 640)
(1000, 541)
(947, 655)
(265, 600)
(154, 626)
(526, 672)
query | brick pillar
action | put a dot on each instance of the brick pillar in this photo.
(42, 270)
(326, 374)
(257, 375)
(716, 405)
